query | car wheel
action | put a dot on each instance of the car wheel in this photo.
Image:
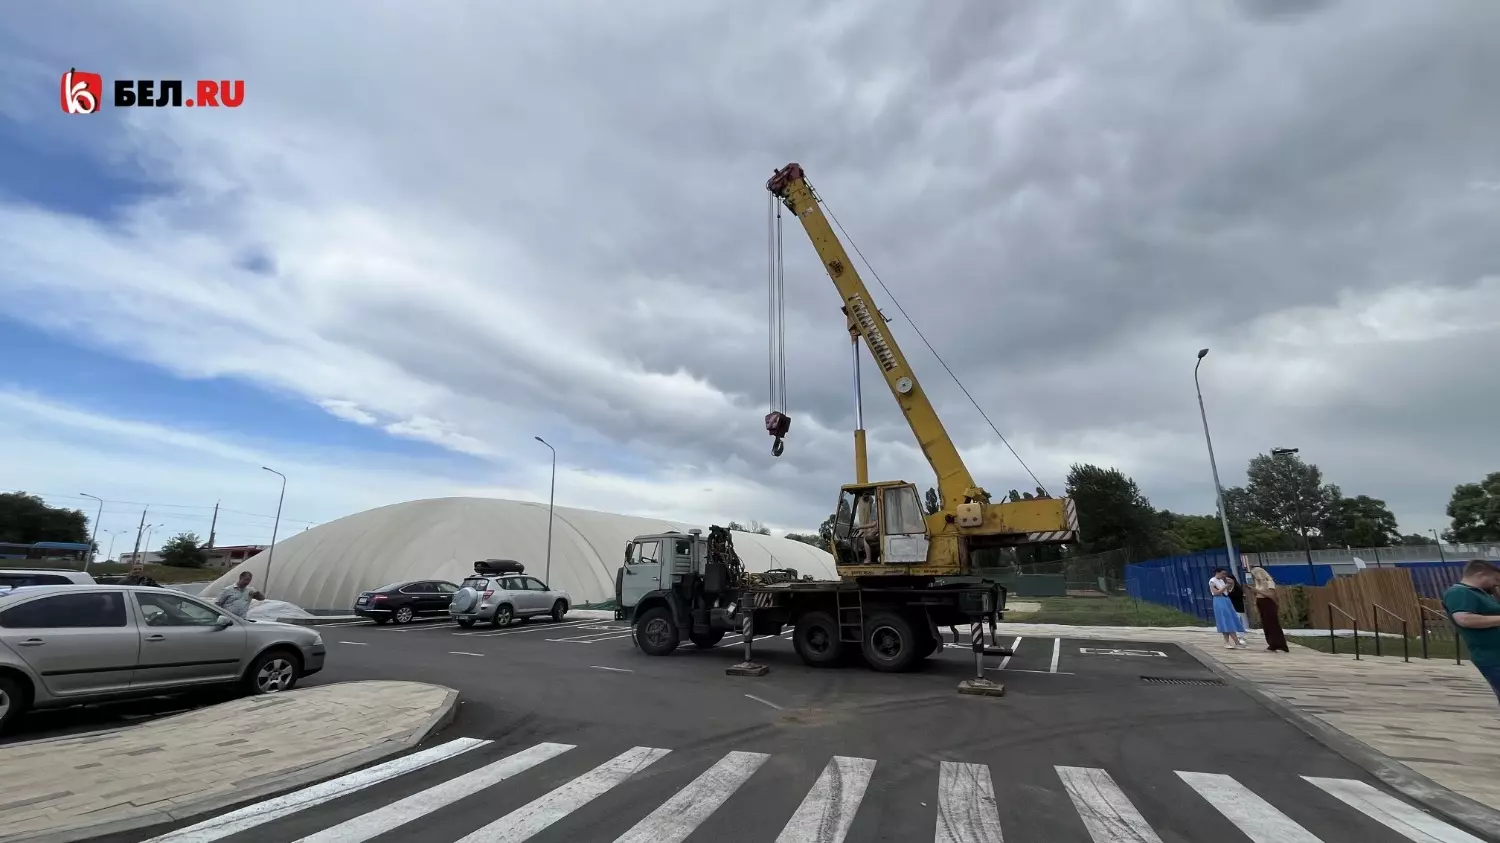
(13, 700)
(503, 616)
(890, 643)
(559, 609)
(465, 622)
(816, 640)
(272, 672)
(656, 633)
(403, 615)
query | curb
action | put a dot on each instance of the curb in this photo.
(255, 790)
(1470, 815)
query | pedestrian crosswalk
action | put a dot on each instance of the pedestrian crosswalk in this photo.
(965, 807)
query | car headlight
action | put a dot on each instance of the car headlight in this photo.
(317, 639)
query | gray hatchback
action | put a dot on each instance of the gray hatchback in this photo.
(65, 645)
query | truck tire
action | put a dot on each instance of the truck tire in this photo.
(816, 640)
(656, 632)
(706, 640)
(891, 643)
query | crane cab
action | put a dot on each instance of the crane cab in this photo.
(880, 526)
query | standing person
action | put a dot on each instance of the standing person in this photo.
(235, 599)
(1226, 621)
(1476, 613)
(1237, 599)
(1264, 588)
(137, 576)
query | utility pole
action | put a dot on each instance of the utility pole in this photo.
(135, 554)
(1438, 539)
(1234, 560)
(271, 551)
(551, 496)
(93, 534)
(212, 525)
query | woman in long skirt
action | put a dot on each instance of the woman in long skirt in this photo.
(1270, 612)
(1226, 620)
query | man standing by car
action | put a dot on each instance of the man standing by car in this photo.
(235, 599)
(1477, 614)
(137, 576)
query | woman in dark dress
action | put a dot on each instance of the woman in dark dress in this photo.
(1237, 599)
(1270, 613)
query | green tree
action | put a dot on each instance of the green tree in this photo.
(825, 530)
(1418, 540)
(27, 519)
(932, 504)
(1283, 492)
(1112, 513)
(184, 550)
(1360, 521)
(1475, 510)
(753, 527)
(808, 538)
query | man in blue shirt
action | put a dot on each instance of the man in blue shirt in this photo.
(1476, 612)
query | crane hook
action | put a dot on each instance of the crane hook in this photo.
(777, 424)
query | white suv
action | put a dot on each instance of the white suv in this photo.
(500, 598)
(13, 578)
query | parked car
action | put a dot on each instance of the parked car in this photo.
(11, 578)
(498, 593)
(404, 602)
(62, 645)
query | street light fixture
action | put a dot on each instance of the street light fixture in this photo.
(1234, 566)
(551, 496)
(1312, 572)
(93, 534)
(271, 551)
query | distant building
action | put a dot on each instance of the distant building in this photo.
(72, 551)
(231, 555)
(150, 557)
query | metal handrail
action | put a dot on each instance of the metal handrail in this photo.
(1458, 641)
(1333, 639)
(1405, 639)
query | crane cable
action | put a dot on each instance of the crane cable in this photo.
(777, 420)
(923, 338)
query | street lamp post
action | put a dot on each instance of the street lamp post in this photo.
(1439, 540)
(146, 547)
(271, 551)
(93, 534)
(1312, 572)
(113, 534)
(551, 496)
(1234, 566)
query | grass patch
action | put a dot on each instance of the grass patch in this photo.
(161, 573)
(1437, 647)
(1101, 611)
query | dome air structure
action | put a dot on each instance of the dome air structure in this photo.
(326, 567)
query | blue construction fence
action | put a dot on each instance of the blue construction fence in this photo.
(1181, 582)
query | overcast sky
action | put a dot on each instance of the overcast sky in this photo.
(435, 231)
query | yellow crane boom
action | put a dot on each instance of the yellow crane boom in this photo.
(967, 520)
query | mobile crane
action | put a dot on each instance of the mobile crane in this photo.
(902, 575)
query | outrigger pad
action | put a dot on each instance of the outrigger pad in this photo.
(981, 688)
(999, 651)
(747, 669)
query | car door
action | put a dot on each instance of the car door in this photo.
(184, 642)
(537, 595)
(513, 591)
(445, 592)
(642, 572)
(78, 644)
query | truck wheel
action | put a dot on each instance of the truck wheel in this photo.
(890, 643)
(706, 640)
(656, 633)
(816, 640)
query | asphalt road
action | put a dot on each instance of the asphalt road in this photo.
(1081, 748)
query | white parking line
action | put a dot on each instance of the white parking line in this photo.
(741, 636)
(486, 633)
(614, 669)
(1056, 653)
(362, 622)
(423, 624)
(461, 653)
(764, 702)
(591, 640)
(1014, 645)
(356, 643)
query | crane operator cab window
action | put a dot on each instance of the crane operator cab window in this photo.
(856, 528)
(880, 526)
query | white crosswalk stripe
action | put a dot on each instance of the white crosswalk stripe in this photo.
(828, 809)
(1106, 811)
(967, 812)
(527, 820)
(375, 823)
(1257, 818)
(1392, 812)
(966, 809)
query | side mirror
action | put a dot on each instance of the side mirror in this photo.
(223, 622)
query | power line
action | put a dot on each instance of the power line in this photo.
(108, 501)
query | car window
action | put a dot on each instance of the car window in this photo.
(477, 583)
(534, 584)
(173, 610)
(18, 580)
(413, 588)
(645, 553)
(446, 588)
(512, 584)
(68, 611)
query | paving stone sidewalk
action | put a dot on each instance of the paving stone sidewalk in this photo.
(1433, 716)
(79, 786)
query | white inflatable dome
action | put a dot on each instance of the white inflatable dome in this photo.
(326, 567)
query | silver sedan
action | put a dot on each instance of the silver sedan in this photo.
(65, 645)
